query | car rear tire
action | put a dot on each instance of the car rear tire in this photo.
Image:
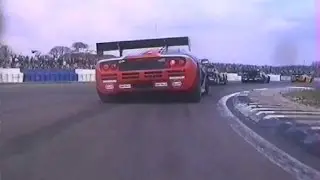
(225, 80)
(195, 95)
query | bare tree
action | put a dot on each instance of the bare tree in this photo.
(36, 53)
(59, 51)
(1, 20)
(45, 56)
(286, 53)
(5, 52)
(79, 46)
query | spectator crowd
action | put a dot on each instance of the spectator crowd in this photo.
(283, 70)
(88, 61)
(68, 61)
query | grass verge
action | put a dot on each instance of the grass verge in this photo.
(306, 97)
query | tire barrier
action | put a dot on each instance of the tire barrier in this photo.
(11, 76)
(14, 75)
(233, 77)
(285, 78)
(49, 76)
(86, 75)
(274, 77)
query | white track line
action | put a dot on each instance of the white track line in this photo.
(299, 87)
(293, 116)
(315, 127)
(272, 109)
(254, 103)
(274, 154)
(289, 112)
(263, 106)
(308, 122)
(260, 104)
(260, 89)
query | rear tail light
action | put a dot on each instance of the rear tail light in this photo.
(105, 66)
(172, 62)
(176, 62)
(113, 66)
(108, 66)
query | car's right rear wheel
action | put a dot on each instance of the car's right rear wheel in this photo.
(194, 96)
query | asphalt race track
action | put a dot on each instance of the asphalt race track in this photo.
(62, 132)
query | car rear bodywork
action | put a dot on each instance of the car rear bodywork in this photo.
(254, 76)
(151, 71)
(146, 73)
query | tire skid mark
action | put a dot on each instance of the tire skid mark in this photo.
(27, 142)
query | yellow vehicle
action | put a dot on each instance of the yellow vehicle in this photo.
(301, 77)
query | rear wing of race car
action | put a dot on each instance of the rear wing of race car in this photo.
(142, 43)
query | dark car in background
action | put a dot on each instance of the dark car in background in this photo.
(254, 76)
(214, 77)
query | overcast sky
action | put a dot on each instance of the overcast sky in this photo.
(240, 31)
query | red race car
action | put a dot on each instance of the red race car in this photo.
(161, 70)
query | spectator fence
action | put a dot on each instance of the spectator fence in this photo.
(80, 68)
(15, 75)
